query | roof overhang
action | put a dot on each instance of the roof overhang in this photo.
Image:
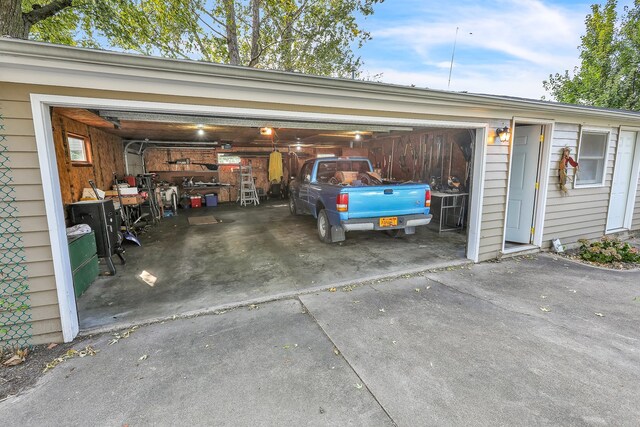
(47, 64)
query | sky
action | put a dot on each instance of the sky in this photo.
(503, 47)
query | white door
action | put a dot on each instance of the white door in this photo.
(621, 181)
(522, 183)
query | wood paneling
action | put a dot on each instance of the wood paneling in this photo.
(107, 154)
(156, 160)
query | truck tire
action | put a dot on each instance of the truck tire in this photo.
(292, 205)
(324, 228)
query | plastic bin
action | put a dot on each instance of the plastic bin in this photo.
(211, 199)
(196, 201)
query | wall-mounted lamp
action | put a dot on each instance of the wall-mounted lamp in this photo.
(266, 131)
(503, 133)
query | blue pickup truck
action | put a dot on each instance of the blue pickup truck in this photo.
(345, 194)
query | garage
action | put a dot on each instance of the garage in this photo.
(189, 239)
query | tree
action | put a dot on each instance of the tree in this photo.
(310, 36)
(16, 22)
(609, 61)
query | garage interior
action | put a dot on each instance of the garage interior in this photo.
(192, 242)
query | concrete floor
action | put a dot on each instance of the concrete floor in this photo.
(465, 346)
(255, 252)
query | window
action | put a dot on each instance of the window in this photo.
(79, 149)
(228, 159)
(592, 158)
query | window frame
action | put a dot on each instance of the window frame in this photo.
(87, 149)
(593, 130)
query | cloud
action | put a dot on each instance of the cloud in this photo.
(513, 46)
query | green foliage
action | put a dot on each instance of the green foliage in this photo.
(610, 61)
(608, 250)
(309, 36)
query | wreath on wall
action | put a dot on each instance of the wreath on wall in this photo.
(565, 161)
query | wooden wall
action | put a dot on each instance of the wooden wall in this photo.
(426, 154)
(156, 160)
(106, 151)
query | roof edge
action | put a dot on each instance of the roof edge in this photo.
(33, 49)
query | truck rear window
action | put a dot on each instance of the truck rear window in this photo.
(328, 169)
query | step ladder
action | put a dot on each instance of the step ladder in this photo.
(248, 193)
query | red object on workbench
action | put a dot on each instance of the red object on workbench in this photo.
(131, 180)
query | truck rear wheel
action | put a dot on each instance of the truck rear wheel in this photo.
(324, 228)
(292, 205)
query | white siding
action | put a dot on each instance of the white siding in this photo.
(582, 213)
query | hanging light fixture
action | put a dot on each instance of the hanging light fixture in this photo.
(504, 134)
(266, 131)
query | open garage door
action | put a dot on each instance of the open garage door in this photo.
(180, 178)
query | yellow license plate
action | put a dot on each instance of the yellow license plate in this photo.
(390, 221)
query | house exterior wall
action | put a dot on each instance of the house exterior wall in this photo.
(494, 203)
(42, 317)
(582, 213)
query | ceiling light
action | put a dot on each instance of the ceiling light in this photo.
(358, 137)
(266, 131)
(200, 132)
(298, 147)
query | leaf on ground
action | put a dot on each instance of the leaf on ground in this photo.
(332, 289)
(381, 310)
(71, 353)
(336, 351)
(543, 296)
(52, 345)
(599, 314)
(253, 307)
(637, 299)
(545, 309)
(13, 360)
(144, 357)
(417, 289)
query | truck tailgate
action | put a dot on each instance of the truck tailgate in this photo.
(386, 200)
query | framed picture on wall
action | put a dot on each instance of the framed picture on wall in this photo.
(79, 149)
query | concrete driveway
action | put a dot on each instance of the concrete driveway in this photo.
(532, 341)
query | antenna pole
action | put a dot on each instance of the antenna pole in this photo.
(455, 40)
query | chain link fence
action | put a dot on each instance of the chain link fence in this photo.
(15, 304)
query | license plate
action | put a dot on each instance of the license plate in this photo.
(390, 221)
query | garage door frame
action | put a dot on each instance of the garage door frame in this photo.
(41, 103)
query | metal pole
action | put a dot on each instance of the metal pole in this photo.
(455, 40)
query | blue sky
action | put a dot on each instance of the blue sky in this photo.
(505, 47)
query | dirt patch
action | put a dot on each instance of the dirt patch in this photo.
(15, 379)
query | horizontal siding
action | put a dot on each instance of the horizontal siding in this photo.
(582, 213)
(19, 126)
(21, 144)
(28, 200)
(494, 200)
(635, 221)
(15, 109)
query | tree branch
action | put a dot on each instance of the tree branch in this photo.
(46, 11)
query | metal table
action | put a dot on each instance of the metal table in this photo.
(451, 210)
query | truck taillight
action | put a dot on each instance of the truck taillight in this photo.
(342, 202)
(427, 199)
